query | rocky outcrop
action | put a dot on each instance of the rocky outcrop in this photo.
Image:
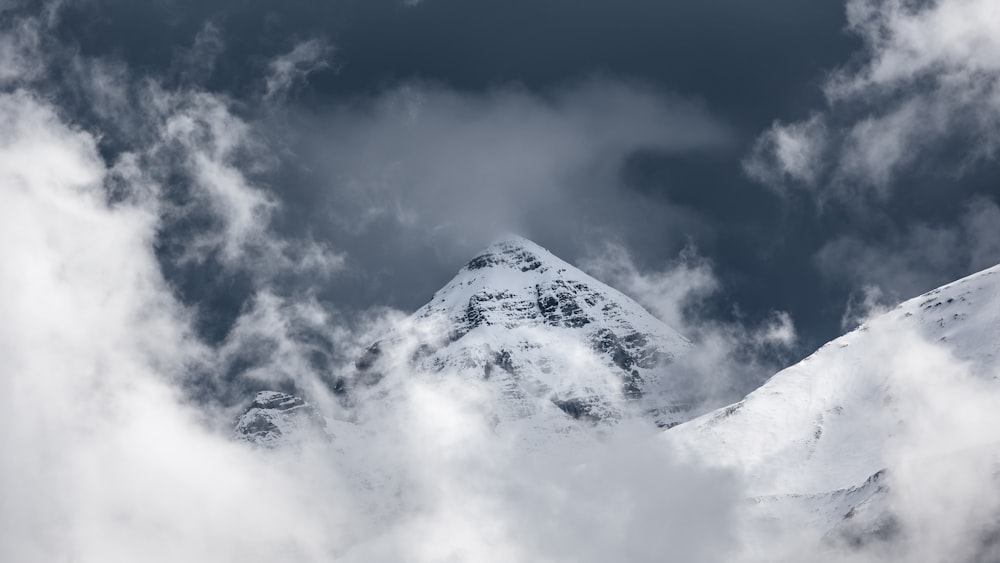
(275, 418)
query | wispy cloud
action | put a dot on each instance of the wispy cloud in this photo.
(440, 164)
(291, 69)
(732, 357)
(927, 79)
(909, 260)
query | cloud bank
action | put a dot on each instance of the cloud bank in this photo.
(116, 464)
(111, 464)
(459, 168)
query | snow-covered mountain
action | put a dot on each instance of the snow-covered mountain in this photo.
(540, 333)
(554, 351)
(552, 346)
(822, 433)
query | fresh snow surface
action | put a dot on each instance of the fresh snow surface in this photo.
(818, 432)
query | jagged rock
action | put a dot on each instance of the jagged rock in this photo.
(275, 418)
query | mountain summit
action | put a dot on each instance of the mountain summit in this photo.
(549, 342)
(542, 333)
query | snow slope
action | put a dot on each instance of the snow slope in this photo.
(821, 432)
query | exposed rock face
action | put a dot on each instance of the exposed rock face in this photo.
(275, 419)
(544, 333)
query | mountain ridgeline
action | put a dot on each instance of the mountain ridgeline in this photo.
(548, 340)
(558, 352)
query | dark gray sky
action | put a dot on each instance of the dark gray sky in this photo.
(406, 136)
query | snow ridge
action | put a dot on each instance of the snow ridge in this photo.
(817, 432)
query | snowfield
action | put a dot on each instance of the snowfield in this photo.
(828, 436)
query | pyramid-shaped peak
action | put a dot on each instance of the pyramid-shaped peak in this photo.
(523, 319)
(513, 240)
(513, 251)
(515, 283)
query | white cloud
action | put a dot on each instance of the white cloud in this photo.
(788, 152)
(437, 162)
(955, 39)
(110, 465)
(779, 330)
(943, 459)
(194, 155)
(209, 136)
(666, 293)
(931, 416)
(730, 358)
(928, 78)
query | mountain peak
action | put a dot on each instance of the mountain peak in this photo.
(522, 318)
(512, 239)
(512, 251)
(553, 346)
